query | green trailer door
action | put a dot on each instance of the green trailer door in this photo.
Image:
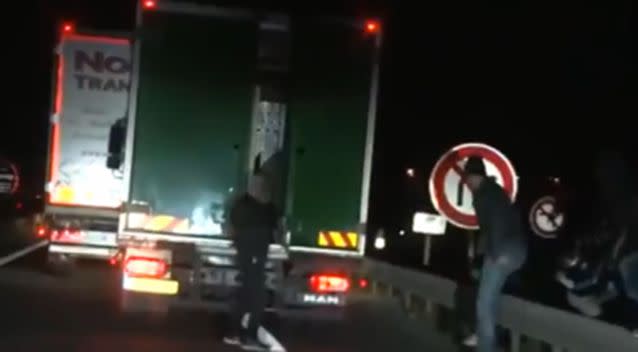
(195, 98)
(329, 101)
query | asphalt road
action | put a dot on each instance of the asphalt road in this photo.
(79, 313)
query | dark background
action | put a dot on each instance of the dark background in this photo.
(547, 84)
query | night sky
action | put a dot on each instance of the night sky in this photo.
(525, 77)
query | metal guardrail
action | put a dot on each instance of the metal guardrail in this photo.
(563, 331)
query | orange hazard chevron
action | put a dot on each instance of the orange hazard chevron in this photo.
(338, 239)
(158, 223)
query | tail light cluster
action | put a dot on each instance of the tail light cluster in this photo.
(329, 283)
(145, 267)
(70, 235)
(372, 26)
(67, 235)
(149, 4)
(41, 231)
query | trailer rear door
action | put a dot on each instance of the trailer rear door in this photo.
(91, 94)
(192, 120)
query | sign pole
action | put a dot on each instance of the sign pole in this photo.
(427, 250)
(471, 245)
(429, 225)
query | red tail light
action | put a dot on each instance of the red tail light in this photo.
(145, 267)
(149, 4)
(329, 283)
(116, 259)
(41, 231)
(67, 235)
(67, 27)
(363, 283)
(372, 26)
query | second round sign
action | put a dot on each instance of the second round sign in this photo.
(448, 192)
(546, 218)
(9, 177)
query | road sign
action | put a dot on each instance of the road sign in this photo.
(428, 224)
(448, 192)
(546, 218)
(9, 177)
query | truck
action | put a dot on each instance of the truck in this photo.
(91, 80)
(219, 94)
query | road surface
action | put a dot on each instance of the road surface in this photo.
(79, 313)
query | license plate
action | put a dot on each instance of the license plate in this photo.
(100, 238)
(146, 285)
(228, 277)
(217, 276)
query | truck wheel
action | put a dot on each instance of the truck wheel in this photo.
(59, 264)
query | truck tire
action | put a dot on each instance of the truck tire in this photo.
(59, 264)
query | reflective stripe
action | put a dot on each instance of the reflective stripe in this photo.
(333, 252)
(353, 238)
(158, 223)
(337, 239)
(90, 251)
(158, 286)
(323, 241)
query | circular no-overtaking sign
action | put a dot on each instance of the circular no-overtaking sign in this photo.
(450, 195)
(546, 218)
(9, 177)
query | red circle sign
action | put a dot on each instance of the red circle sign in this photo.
(9, 177)
(450, 195)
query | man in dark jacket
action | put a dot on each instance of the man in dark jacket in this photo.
(253, 222)
(619, 205)
(505, 246)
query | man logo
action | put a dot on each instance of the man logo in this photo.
(320, 299)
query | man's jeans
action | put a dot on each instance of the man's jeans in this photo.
(493, 278)
(251, 294)
(629, 273)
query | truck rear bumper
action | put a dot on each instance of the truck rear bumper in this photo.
(289, 300)
(144, 302)
(83, 251)
(296, 312)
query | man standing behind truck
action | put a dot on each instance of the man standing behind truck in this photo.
(253, 222)
(505, 246)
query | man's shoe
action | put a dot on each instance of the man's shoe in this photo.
(471, 341)
(232, 340)
(251, 344)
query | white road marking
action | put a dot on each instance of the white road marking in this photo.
(21, 253)
(265, 337)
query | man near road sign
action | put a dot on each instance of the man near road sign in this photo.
(618, 200)
(505, 246)
(253, 221)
